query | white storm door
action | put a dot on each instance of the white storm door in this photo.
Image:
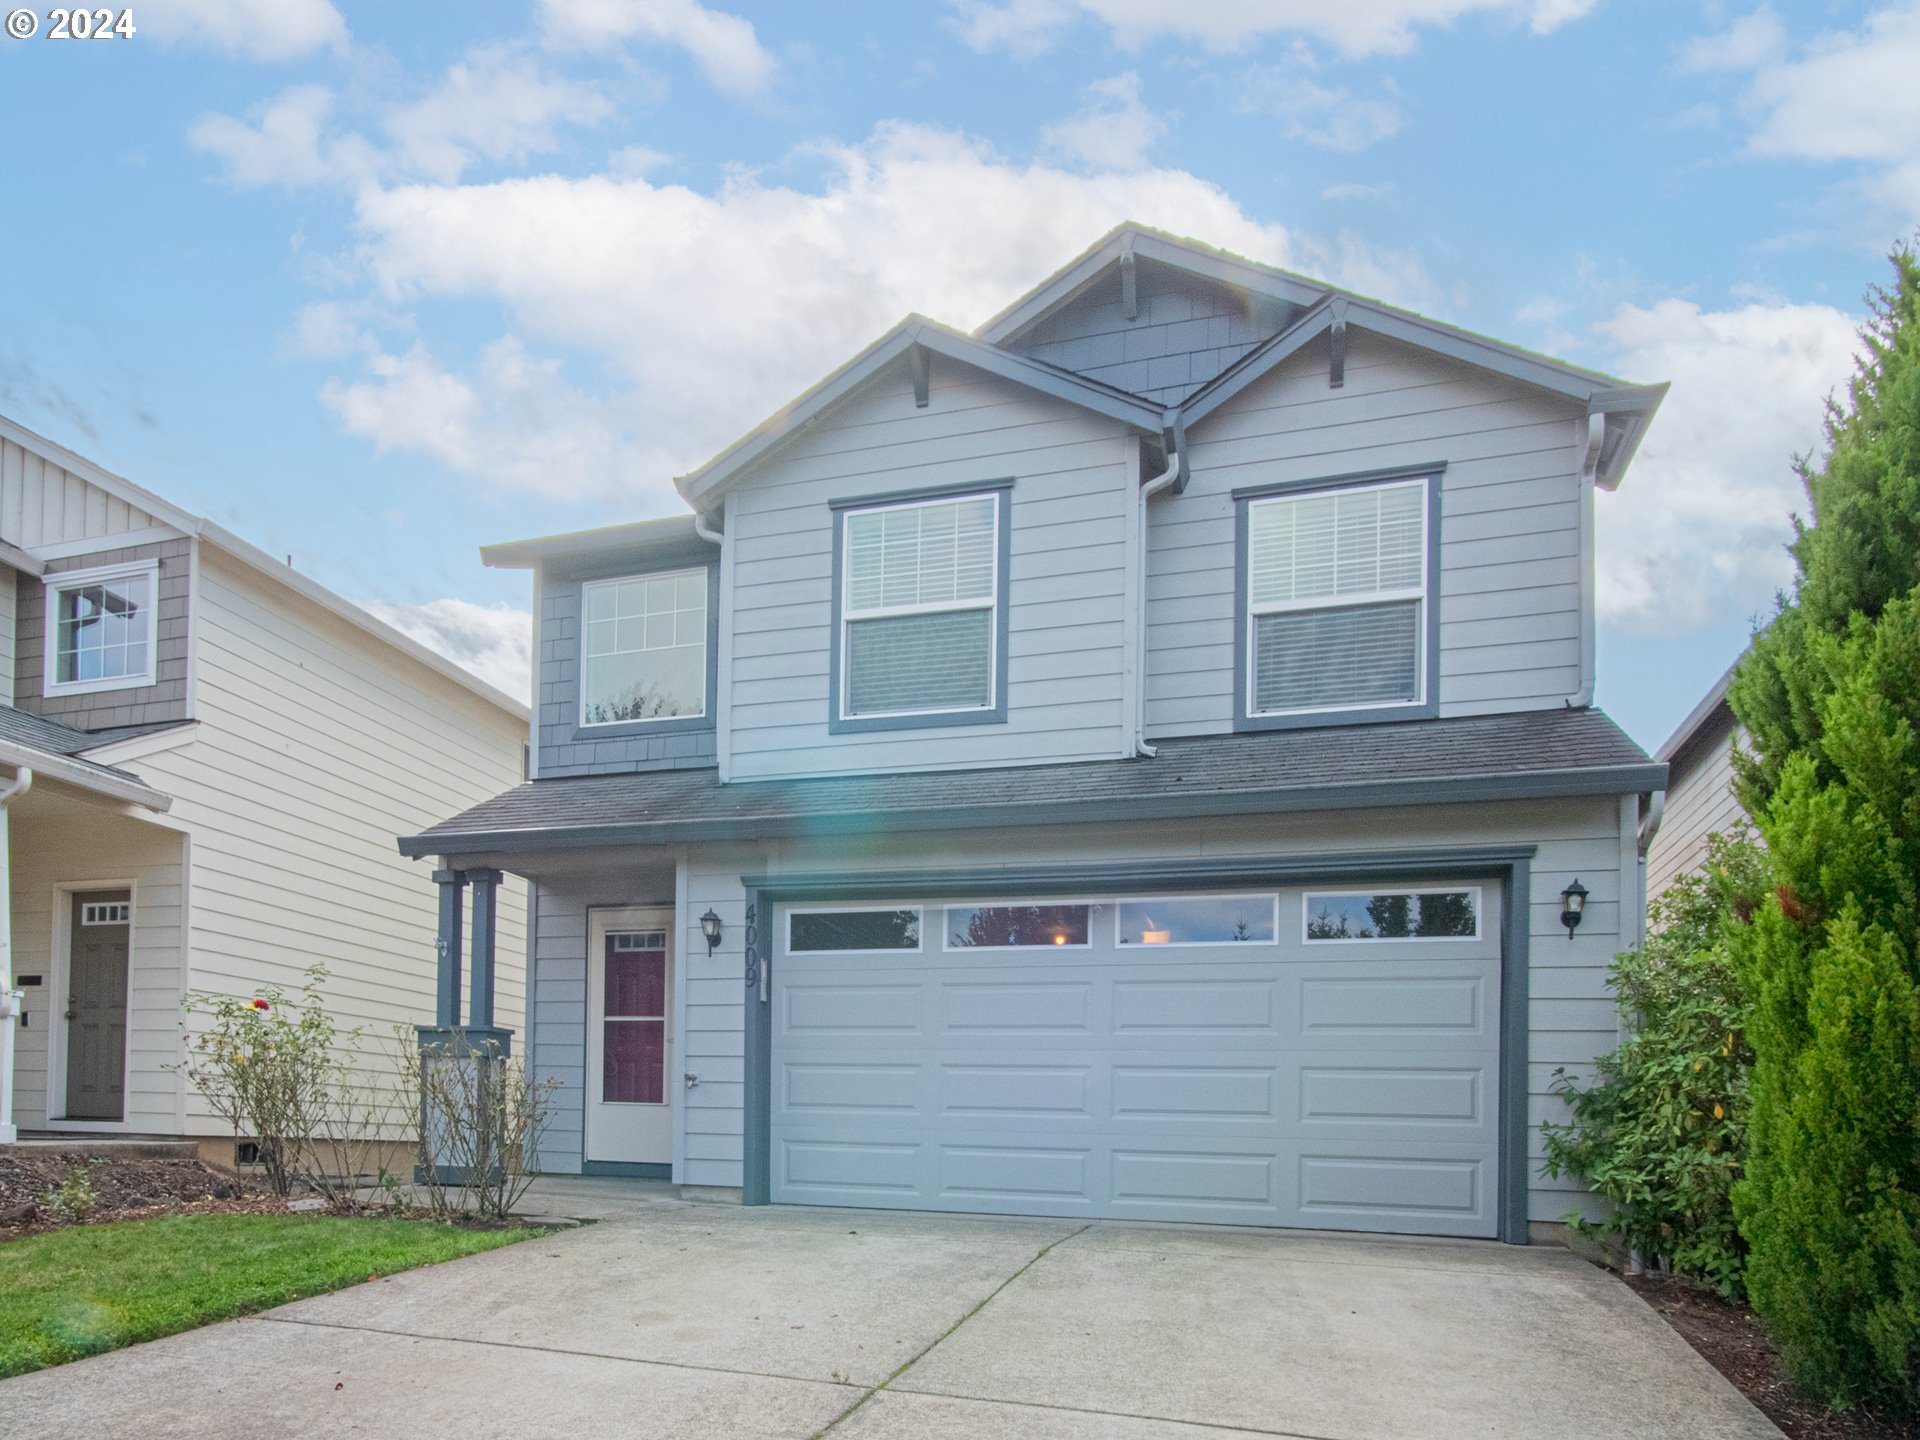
(630, 1041)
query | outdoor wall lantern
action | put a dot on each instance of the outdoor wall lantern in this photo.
(1573, 901)
(710, 927)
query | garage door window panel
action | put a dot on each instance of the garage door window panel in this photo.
(1198, 920)
(1051, 926)
(1342, 917)
(884, 930)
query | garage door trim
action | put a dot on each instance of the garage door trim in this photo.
(1510, 865)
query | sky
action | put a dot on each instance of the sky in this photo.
(374, 285)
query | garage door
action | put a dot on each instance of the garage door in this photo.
(1311, 1057)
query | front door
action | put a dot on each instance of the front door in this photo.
(630, 1040)
(96, 1015)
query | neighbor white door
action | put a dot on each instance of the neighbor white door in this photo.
(630, 1040)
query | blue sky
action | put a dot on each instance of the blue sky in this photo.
(376, 284)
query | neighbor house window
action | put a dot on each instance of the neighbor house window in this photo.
(100, 628)
(1394, 915)
(644, 650)
(919, 601)
(1336, 599)
(1016, 927)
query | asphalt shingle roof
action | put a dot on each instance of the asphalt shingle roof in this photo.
(51, 737)
(1545, 752)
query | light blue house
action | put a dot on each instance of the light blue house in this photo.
(1135, 760)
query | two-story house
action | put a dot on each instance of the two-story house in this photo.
(1133, 760)
(204, 756)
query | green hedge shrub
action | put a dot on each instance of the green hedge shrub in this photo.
(1660, 1132)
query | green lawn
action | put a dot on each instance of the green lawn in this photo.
(90, 1288)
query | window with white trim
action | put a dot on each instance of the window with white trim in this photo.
(1336, 599)
(100, 628)
(920, 588)
(644, 648)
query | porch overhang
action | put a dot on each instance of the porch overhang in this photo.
(1544, 754)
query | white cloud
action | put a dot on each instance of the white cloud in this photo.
(709, 311)
(1355, 27)
(247, 29)
(1328, 116)
(327, 330)
(1112, 131)
(1847, 95)
(494, 642)
(515, 421)
(1355, 190)
(1697, 533)
(1751, 41)
(286, 143)
(496, 104)
(724, 46)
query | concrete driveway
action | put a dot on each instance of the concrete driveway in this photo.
(683, 1320)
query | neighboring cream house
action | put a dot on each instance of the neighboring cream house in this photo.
(1700, 800)
(204, 757)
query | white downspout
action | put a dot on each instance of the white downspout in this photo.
(1147, 491)
(1589, 471)
(706, 532)
(10, 998)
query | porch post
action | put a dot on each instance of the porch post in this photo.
(9, 997)
(447, 996)
(480, 1005)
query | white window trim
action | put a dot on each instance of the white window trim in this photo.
(1273, 898)
(1342, 602)
(849, 615)
(51, 685)
(1024, 902)
(1479, 910)
(863, 909)
(706, 628)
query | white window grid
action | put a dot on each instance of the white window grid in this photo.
(684, 620)
(106, 912)
(59, 586)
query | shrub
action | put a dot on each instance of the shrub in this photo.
(1660, 1131)
(279, 1070)
(482, 1117)
(72, 1200)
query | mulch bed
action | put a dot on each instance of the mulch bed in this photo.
(1731, 1340)
(124, 1189)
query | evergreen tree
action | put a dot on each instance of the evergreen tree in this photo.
(1830, 698)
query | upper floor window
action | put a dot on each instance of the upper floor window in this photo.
(1336, 588)
(100, 628)
(644, 649)
(921, 595)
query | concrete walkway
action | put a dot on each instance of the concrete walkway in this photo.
(675, 1320)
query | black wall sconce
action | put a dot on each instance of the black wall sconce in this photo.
(1573, 904)
(710, 927)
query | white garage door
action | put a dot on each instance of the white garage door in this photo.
(1313, 1057)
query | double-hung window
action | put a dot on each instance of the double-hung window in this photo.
(921, 594)
(644, 649)
(1337, 594)
(100, 628)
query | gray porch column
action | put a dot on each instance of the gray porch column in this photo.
(447, 946)
(480, 1004)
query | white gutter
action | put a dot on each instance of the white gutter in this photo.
(706, 532)
(10, 998)
(1176, 470)
(86, 777)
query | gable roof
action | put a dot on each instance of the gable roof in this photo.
(1623, 410)
(1713, 712)
(935, 338)
(33, 742)
(252, 556)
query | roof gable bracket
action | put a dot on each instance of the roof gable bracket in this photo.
(1337, 344)
(920, 367)
(1129, 286)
